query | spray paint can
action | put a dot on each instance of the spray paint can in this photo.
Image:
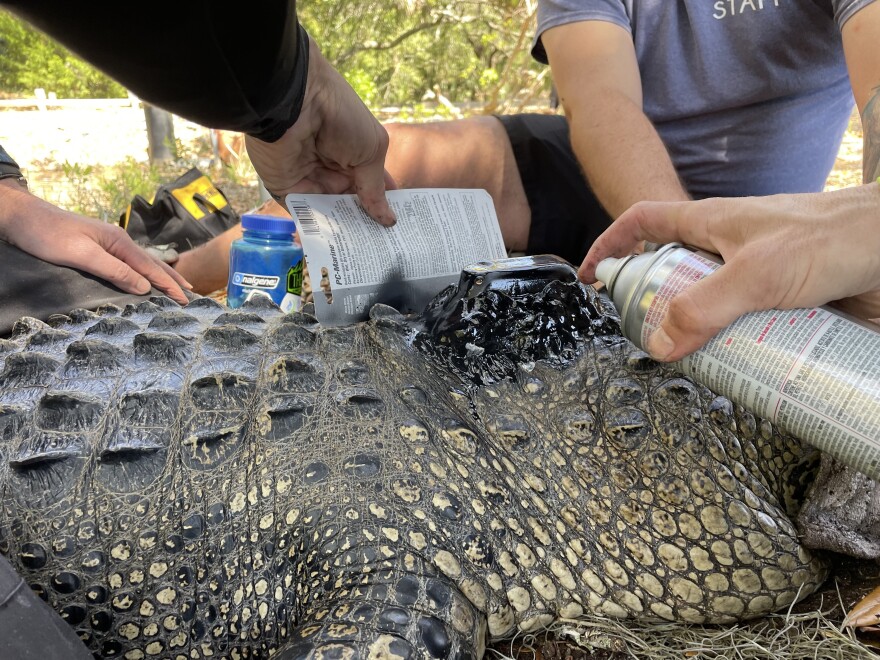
(814, 372)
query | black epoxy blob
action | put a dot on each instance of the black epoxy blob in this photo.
(485, 335)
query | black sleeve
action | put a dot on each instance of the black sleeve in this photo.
(240, 67)
(29, 628)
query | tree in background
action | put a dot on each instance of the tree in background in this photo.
(393, 52)
(29, 59)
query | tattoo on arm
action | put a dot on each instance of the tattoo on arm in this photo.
(871, 128)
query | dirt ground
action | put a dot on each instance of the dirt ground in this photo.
(42, 141)
(87, 136)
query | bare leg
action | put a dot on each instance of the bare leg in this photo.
(465, 153)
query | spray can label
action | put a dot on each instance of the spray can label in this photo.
(814, 372)
(689, 270)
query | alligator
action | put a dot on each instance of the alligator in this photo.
(204, 482)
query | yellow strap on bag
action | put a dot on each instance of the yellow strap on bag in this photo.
(204, 190)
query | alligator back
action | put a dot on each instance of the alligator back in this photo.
(201, 482)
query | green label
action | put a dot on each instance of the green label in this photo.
(295, 279)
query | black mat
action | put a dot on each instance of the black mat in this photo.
(33, 287)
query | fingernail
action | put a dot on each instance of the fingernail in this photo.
(660, 345)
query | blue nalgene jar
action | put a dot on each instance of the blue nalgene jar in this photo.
(266, 262)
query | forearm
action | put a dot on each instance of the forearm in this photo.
(597, 73)
(623, 157)
(247, 70)
(66, 239)
(16, 204)
(871, 133)
(237, 71)
(861, 34)
(206, 267)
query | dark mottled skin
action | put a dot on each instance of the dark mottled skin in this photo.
(196, 482)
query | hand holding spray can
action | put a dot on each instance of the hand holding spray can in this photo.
(814, 372)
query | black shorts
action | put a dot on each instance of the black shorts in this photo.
(566, 216)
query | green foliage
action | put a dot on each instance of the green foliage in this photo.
(393, 52)
(29, 59)
(364, 84)
(105, 192)
(396, 51)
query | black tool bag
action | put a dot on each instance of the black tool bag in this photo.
(187, 212)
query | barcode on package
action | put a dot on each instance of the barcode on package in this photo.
(305, 216)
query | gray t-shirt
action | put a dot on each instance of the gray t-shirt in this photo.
(751, 97)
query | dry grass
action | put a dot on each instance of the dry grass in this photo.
(810, 629)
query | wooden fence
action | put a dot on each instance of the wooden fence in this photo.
(43, 101)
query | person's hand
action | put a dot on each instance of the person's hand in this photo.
(99, 248)
(783, 251)
(335, 146)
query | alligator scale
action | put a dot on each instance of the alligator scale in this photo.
(200, 482)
